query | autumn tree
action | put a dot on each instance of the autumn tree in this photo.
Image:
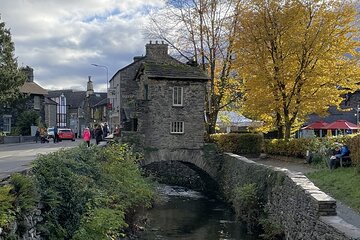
(11, 78)
(296, 57)
(202, 31)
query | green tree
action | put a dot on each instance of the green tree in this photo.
(11, 78)
(296, 58)
(25, 120)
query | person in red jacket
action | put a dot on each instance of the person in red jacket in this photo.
(87, 136)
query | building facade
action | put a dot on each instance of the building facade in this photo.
(32, 99)
(162, 100)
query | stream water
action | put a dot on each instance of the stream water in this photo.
(188, 215)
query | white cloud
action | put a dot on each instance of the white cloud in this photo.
(60, 39)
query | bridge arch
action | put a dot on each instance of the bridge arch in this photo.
(192, 156)
(173, 163)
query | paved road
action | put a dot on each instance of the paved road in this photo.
(18, 156)
(343, 211)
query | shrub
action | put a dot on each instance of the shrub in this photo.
(246, 204)
(84, 186)
(354, 146)
(7, 211)
(85, 193)
(244, 143)
(272, 230)
(25, 120)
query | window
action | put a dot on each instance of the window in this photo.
(61, 111)
(7, 123)
(177, 127)
(36, 102)
(177, 96)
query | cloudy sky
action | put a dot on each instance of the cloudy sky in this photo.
(60, 39)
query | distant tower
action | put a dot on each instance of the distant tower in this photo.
(89, 88)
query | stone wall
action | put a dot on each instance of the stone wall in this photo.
(161, 113)
(291, 200)
(16, 139)
(28, 227)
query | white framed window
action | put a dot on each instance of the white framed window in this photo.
(7, 123)
(178, 96)
(177, 127)
(36, 102)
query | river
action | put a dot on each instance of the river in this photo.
(188, 215)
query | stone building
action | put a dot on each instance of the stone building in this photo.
(32, 99)
(162, 100)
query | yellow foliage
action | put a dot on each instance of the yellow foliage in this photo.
(296, 57)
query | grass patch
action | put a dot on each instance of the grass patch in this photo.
(341, 183)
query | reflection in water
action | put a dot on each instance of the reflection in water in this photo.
(187, 215)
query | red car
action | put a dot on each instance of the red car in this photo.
(66, 134)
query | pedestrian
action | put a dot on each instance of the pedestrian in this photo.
(117, 132)
(98, 134)
(43, 137)
(55, 134)
(105, 130)
(87, 136)
(37, 135)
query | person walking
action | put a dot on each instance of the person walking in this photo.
(56, 135)
(105, 130)
(37, 135)
(98, 134)
(87, 136)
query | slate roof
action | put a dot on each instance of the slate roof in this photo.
(173, 71)
(96, 98)
(102, 102)
(73, 99)
(50, 101)
(32, 88)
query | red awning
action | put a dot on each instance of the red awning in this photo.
(341, 124)
(316, 125)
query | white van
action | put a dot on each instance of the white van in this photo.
(50, 132)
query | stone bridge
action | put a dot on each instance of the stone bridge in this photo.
(204, 159)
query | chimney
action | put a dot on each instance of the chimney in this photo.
(89, 88)
(29, 73)
(156, 49)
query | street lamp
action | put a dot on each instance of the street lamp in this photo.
(107, 74)
(107, 89)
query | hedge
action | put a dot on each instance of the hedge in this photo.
(254, 144)
(297, 147)
(239, 143)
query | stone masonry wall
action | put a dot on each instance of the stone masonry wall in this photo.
(161, 113)
(291, 200)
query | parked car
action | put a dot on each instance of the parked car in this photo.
(66, 134)
(50, 132)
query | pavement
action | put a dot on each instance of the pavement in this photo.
(346, 213)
